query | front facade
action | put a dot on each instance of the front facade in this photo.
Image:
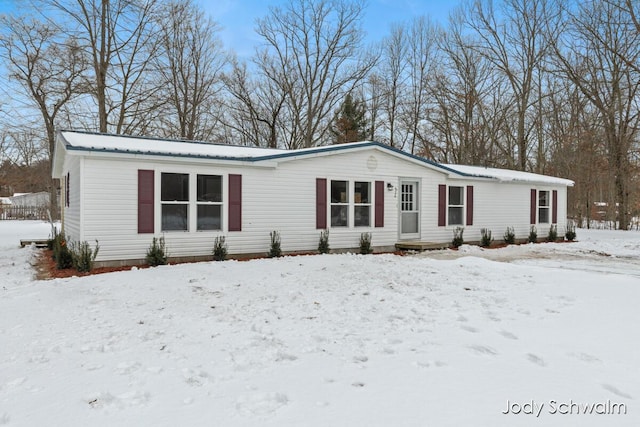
(123, 191)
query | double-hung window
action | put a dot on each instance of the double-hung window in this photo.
(544, 206)
(175, 201)
(362, 204)
(456, 205)
(339, 203)
(209, 201)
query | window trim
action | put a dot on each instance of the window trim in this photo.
(199, 203)
(192, 203)
(462, 207)
(186, 203)
(546, 207)
(367, 205)
(347, 203)
(350, 204)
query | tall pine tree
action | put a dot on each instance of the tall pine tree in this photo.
(350, 124)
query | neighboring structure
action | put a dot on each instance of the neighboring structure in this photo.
(5, 206)
(28, 206)
(123, 191)
(40, 199)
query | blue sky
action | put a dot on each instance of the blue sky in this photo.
(237, 17)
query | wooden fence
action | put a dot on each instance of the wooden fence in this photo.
(24, 212)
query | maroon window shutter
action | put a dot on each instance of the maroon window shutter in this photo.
(145, 201)
(235, 202)
(379, 209)
(469, 204)
(442, 205)
(321, 203)
(554, 208)
(534, 205)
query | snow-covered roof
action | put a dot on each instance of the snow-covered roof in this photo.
(507, 175)
(5, 201)
(139, 145)
(105, 143)
(98, 142)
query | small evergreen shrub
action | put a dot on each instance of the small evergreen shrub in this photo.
(533, 234)
(486, 238)
(61, 253)
(323, 245)
(365, 243)
(458, 240)
(509, 236)
(83, 256)
(157, 252)
(275, 251)
(219, 249)
(570, 233)
(553, 233)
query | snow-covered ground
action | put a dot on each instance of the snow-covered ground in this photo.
(438, 339)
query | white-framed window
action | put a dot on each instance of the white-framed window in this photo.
(455, 205)
(174, 191)
(544, 207)
(362, 204)
(209, 202)
(339, 193)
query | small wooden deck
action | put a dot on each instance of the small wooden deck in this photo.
(40, 243)
(420, 246)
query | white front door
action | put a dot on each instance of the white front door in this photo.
(409, 210)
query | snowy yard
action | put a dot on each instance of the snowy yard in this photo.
(436, 339)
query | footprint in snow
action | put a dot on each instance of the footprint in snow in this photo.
(483, 350)
(508, 335)
(430, 364)
(5, 418)
(261, 403)
(125, 368)
(585, 357)
(469, 328)
(360, 359)
(616, 391)
(536, 359)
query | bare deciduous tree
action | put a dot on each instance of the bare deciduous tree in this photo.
(118, 37)
(47, 66)
(421, 40)
(514, 41)
(314, 45)
(597, 39)
(190, 64)
(393, 66)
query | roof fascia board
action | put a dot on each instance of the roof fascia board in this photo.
(167, 157)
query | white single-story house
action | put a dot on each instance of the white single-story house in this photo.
(123, 191)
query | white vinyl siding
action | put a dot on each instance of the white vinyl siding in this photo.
(280, 196)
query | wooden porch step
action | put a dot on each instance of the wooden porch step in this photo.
(40, 243)
(420, 246)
